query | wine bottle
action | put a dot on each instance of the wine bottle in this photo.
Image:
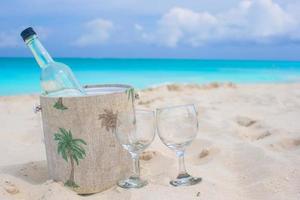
(57, 79)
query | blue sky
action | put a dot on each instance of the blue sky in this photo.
(206, 29)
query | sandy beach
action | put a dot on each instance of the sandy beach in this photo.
(247, 147)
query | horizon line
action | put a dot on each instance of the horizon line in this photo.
(158, 58)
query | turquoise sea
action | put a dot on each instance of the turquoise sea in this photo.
(21, 75)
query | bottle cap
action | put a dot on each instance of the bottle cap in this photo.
(27, 33)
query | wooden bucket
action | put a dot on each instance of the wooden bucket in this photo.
(82, 150)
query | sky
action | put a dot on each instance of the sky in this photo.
(204, 29)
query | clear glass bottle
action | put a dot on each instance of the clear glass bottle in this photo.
(57, 79)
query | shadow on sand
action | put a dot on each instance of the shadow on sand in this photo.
(32, 172)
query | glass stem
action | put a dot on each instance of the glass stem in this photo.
(136, 166)
(181, 165)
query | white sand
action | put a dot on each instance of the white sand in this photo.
(248, 147)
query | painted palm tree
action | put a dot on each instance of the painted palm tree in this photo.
(71, 150)
(109, 120)
(131, 96)
(59, 104)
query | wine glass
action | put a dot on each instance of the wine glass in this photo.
(135, 132)
(177, 127)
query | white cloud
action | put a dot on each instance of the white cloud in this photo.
(8, 39)
(42, 32)
(98, 31)
(261, 21)
(179, 23)
(11, 38)
(138, 27)
(294, 10)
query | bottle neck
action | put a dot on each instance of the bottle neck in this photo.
(39, 52)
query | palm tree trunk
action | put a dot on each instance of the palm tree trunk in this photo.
(72, 169)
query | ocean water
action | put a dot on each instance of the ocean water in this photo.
(21, 75)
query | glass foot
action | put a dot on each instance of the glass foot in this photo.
(185, 180)
(132, 182)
